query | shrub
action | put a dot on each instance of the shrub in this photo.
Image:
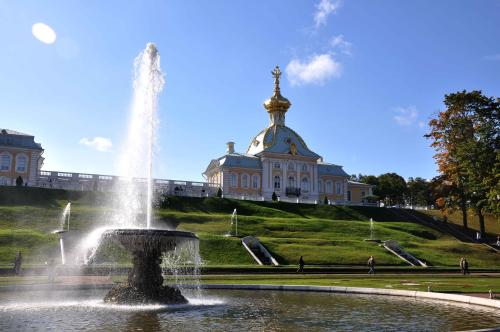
(19, 181)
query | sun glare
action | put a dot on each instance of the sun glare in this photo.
(43, 33)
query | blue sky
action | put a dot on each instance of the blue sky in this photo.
(364, 77)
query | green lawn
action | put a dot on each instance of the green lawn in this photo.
(324, 235)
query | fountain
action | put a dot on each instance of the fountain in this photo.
(131, 226)
(371, 239)
(61, 231)
(234, 220)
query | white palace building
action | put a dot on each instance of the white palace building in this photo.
(279, 161)
(276, 161)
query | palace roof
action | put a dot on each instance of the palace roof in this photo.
(235, 160)
(331, 169)
(15, 139)
(280, 139)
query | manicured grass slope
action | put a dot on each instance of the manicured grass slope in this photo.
(322, 234)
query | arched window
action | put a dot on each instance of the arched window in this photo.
(277, 182)
(244, 181)
(5, 161)
(21, 163)
(277, 165)
(234, 180)
(320, 186)
(305, 184)
(291, 166)
(291, 182)
(338, 188)
(329, 187)
(304, 168)
(255, 181)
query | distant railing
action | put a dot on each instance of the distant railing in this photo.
(109, 183)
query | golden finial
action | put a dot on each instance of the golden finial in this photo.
(276, 74)
(277, 105)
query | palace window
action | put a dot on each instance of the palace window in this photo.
(233, 180)
(349, 195)
(320, 186)
(291, 166)
(304, 168)
(5, 161)
(255, 182)
(329, 187)
(291, 182)
(277, 182)
(277, 165)
(338, 188)
(21, 161)
(244, 181)
(305, 184)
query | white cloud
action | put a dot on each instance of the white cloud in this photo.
(406, 116)
(340, 43)
(323, 9)
(492, 57)
(99, 143)
(317, 70)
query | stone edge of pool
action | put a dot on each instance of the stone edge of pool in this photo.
(327, 289)
(361, 290)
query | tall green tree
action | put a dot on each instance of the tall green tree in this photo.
(419, 192)
(391, 188)
(466, 139)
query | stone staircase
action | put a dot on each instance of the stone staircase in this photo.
(258, 251)
(396, 249)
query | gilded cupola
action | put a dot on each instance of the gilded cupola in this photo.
(277, 105)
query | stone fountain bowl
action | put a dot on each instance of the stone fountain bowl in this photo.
(147, 239)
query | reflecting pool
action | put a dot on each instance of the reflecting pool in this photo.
(235, 310)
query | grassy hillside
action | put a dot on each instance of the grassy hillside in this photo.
(491, 222)
(326, 235)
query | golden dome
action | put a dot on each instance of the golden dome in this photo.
(277, 103)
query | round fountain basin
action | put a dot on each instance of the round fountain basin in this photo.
(146, 239)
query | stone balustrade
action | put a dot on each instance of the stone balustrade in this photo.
(110, 183)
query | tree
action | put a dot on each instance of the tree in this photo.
(419, 192)
(369, 179)
(219, 192)
(391, 188)
(19, 181)
(274, 197)
(465, 137)
(325, 201)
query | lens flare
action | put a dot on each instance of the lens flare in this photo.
(43, 33)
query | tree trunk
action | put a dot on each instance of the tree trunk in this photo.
(463, 208)
(481, 223)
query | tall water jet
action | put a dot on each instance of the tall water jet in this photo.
(234, 220)
(131, 226)
(137, 156)
(64, 220)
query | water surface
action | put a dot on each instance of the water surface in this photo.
(234, 310)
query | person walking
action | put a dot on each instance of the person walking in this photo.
(17, 263)
(301, 265)
(51, 271)
(464, 266)
(371, 265)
